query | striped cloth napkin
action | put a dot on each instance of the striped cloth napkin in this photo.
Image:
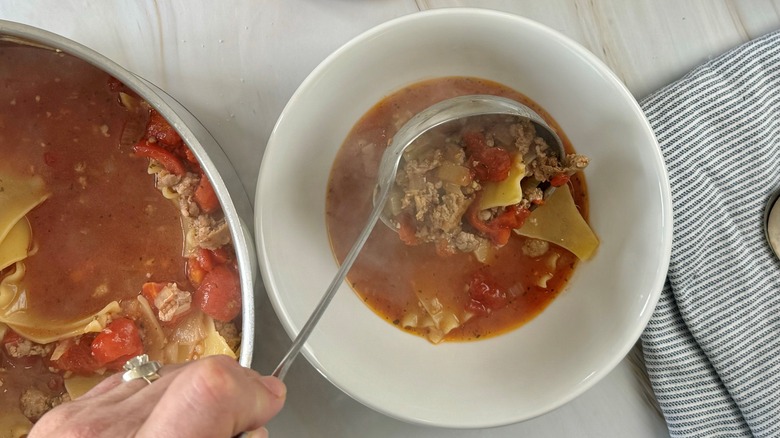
(712, 347)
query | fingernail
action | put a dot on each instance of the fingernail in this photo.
(274, 385)
(259, 433)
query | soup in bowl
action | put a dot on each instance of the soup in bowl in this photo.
(473, 246)
(538, 360)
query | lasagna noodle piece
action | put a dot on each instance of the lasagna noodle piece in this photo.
(76, 385)
(9, 286)
(46, 331)
(214, 343)
(13, 424)
(154, 341)
(442, 312)
(558, 221)
(14, 247)
(195, 336)
(18, 195)
(507, 191)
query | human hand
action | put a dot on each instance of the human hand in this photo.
(211, 397)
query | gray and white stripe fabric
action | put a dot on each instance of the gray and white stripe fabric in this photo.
(712, 346)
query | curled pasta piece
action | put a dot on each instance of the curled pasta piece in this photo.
(43, 331)
(558, 221)
(16, 244)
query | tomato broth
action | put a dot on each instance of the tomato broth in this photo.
(128, 250)
(105, 229)
(387, 271)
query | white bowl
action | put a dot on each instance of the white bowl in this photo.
(572, 344)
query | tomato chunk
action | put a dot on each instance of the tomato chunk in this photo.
(168, 160)
(78, 358)
(205, 196)
(221, 256)
(195, 271)
(406, 231)
(498, 229)
(160, 129)
(488, 163)
(512, 217)
(204, 261)
(559, 180)
(219, 295)
(190, 156)
(485, 294)
(11, 337)
(151, 290)
(117, 343)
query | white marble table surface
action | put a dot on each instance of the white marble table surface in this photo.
(234, 64)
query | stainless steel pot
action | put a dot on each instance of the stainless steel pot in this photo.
(235, 202)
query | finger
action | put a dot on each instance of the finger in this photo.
(114, 389)
(112, 406)
(104, 386)
(257, 433)
(130, 403)
(215, 397)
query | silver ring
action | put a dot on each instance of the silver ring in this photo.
(140, 367)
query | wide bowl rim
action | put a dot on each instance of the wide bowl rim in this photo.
(659, 165)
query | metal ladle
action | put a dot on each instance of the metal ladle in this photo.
(435, 115)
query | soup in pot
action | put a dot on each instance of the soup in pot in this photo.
(112, 240)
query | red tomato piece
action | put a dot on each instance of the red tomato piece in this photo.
(474, 142)
(500, 236)
(485, 293)
(205, 259)
(167, 159)
(487, 163)
(78, 358)
(11, 337)
(219, 295)
(191, 157)
(160, 129)
(150, 291)
(559, 180)
(491, 164)
(221, 256)
(195, 272)
(406, 230)
(205, 196)
(514, 216)
(14, 339)
(117, 343)
(499, 229)
(209, 258)
(496, 235)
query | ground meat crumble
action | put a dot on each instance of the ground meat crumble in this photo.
(436, 184)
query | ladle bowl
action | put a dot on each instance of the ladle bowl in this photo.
(446, 111)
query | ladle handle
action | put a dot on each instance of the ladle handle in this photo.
(300, 339)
